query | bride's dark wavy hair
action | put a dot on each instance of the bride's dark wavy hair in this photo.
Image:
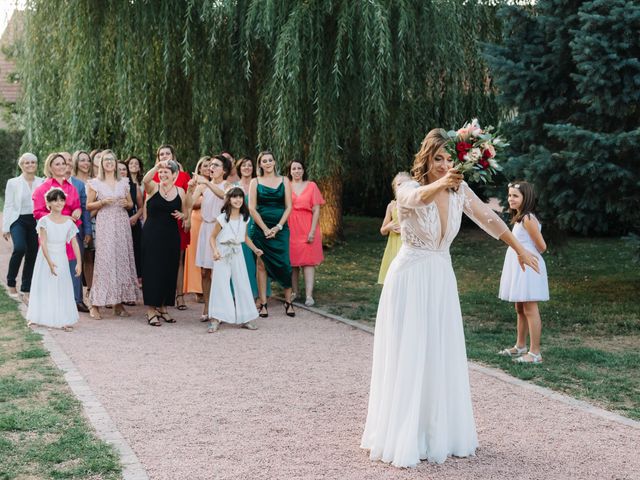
(423, 160)
(226, 208)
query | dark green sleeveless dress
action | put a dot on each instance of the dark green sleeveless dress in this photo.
(270, 206)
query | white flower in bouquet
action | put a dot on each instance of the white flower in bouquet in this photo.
(473, 150)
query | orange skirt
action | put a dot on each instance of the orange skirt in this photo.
(192, 278)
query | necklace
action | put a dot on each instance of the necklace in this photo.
(164, 193)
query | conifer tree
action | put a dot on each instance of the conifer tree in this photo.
(570, 73)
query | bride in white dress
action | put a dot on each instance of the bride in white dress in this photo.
(419, 402)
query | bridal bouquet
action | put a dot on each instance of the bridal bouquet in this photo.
(473, 150)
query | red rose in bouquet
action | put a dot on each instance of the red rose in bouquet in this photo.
(474, 151)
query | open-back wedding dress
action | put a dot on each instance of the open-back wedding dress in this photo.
(420, 402)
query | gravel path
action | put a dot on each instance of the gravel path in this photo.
(288, 401)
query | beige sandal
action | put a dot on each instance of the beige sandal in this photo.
(119, 311)
(95, 313)
(529, 358)
(513, 352)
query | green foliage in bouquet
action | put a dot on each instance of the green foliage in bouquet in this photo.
(474, 151)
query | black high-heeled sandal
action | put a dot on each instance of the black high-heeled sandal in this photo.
(180, 305)
(154, 320)
(263, 306)
(288, 309)
(166, 317)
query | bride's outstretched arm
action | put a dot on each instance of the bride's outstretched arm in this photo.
(490, 222)
(525, 257)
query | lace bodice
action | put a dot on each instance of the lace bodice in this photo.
(420, 223)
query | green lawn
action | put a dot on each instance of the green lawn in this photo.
(42, 431)
(591, 325)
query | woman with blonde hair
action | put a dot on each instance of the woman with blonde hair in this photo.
(246, 170)
(18, 224)
(420, 400)
(391, 228)
(82, 168)
(270, 206)
(89, 253)
(55, 168)
(114, 274)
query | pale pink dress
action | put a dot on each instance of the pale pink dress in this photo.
(210, 208)
(114, 270)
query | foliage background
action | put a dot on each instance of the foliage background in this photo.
(10, 142)
(350, 88)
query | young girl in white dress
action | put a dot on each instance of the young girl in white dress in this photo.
(52, 302)
(229, 232)
(525, 288)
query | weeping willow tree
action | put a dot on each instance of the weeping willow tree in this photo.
(349, 87)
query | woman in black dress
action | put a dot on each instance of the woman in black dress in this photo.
(161, 239)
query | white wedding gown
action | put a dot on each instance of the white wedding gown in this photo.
(419, 401)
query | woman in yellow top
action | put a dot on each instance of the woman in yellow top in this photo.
(391, 227)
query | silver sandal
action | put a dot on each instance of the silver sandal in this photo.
(508, 352)
(534, 358)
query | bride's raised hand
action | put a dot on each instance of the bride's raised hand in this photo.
(528, 258)
(452, 179)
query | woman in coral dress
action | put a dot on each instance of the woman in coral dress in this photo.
(305, 240)
(192, 273)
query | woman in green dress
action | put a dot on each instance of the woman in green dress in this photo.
(246, 170)
(270, 206)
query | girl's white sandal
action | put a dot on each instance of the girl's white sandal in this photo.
(534, 358)
(507, 352)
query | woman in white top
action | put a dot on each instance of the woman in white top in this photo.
(212, 192)
(19, 225)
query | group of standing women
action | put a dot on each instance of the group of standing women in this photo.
(153, 232)
(283, 225)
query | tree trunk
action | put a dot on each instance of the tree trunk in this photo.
(331, 211)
